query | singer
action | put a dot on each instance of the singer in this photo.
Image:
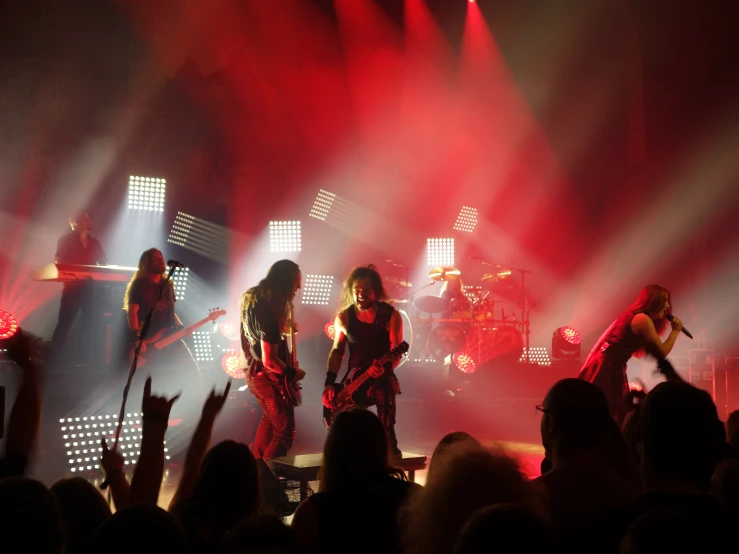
(635, 331)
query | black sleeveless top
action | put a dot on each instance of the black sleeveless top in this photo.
(369, 341)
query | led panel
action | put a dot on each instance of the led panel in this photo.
(82, 438)
(181, 229)
(146, 193)
(440, 252)
(284, 236)
(180, 282)
(202, 346)
(317, 289)
(539, 355)
(322, 204)
(466, 220)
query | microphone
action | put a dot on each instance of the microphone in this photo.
(174, 263)
(670, 317)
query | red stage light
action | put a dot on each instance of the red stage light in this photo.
(464, 362)
(330, 330)
(230, 329)
(8, 325)
(231, 364)
(569, 334)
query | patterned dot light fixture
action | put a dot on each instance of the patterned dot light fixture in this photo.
(230, 329)
(440, 252)
(317, 289)
(330, 330)
(8, 325)
(284, 236)
(322, 204)
(202, 346)
(538, 355)
(566, 343)
(466, 220)
(464, 362)
(146, 193)
(180, 282)
(231, 364)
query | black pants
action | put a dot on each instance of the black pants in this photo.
(382, 394)
(74, 299)
(276, 431)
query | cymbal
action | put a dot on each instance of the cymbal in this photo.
(431, 304)
(398, 281)
(396, 301)
(444, 274)
(496, 276)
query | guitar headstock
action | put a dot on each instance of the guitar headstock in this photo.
(215, 313)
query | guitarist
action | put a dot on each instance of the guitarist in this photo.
(371, 327)
(264, 321)
(141, 294)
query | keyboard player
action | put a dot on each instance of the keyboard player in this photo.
(80, 248)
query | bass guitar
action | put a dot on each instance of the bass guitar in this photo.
(289, 385)
(344, 392)
(164, 337)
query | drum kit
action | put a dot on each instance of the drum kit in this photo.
(470, 319)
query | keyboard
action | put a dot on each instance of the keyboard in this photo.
(69, 273)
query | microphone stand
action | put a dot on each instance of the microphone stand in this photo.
(139, 343)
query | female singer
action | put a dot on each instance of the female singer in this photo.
(634, 332)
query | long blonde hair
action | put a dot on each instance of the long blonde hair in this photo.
(142, 272)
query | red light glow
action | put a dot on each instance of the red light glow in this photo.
(464, 362)
(231, 364)
(569, 334)
(330, 330)
(8, 325)
(229, 329)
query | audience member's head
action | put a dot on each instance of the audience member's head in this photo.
(142, 529)
(447, 445)
(732, 432)
(682, 437)
(29, 518)
(678, 532)
(264, 534)
(505, 528)
(575, 417)
(356, 449)
(725, 485)
(631, 433)
(82, 508)
(227, 488)
(615, 454)
(468, 479)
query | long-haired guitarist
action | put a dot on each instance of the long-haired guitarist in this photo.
(371, 327)
(265, 319)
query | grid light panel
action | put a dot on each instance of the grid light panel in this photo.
(284, 236)
(180, 282)
(317, 289)
(202, 346)
(440, 252)
(146, 193)
(538, 355)
(83, 435)
(180, 231)
(322, 204)
(466, 220)
(473, 292)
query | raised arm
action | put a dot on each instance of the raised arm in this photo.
(335, 357)
(643, 326)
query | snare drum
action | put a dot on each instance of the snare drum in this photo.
(445, 339)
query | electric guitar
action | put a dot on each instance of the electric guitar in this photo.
(344, 392)
(164, 337)
(289, 385)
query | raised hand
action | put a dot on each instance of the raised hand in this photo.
(111, 460)
(155, 407)
(215, 402)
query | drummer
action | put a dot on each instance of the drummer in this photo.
(452, 291)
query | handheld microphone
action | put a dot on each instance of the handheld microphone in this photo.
(174, 263)
(670, 317)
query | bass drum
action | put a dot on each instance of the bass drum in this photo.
(445, 339)
(507, 344)
(407, 336)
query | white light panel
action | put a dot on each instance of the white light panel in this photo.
(82, 436)
(180, 282)
(202, 346)
(440, 252)
(473, 292)
(466, 220)
(322, 204)
(181, 229)
(284, 236)
(539, 355)
(146, 193)
(317, 289)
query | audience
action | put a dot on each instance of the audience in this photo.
(360, 493)
(732, 433)
(466, 480)
(82, 508)
(263, 534)
(447, 444)
(29, 518)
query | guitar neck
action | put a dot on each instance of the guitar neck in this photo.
(359, 381)
(169, 339)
